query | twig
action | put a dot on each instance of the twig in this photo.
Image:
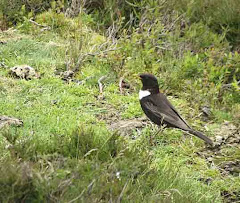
(110, 201)
(35, 23)
(112, 31)
(90, 186)
(9, 30)
(45, 28)
(84, 80)
(101, 85)
(79, 196)
(102, 52)
(121, 194)
(89, 152)
(227, 86)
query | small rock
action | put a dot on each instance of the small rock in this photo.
(24, 72)
(53, 102)
(219, 139)
(3, 42)
(5, 120)
(206, 110)
(67, 75)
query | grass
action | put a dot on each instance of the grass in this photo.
(65, 152)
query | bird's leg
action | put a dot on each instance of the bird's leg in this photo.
(161, 127)
(151, 137)
(160, 130)
(157, 132)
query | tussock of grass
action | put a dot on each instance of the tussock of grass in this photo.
(97, 166)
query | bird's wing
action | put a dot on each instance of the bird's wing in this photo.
(164, 111)
(164, 98)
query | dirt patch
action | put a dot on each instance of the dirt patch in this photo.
(112, 117)
(227, 135)
(126, 127)
(225, 154)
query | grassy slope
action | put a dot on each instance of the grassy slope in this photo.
(64, 150)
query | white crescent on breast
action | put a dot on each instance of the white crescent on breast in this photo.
(143, 93)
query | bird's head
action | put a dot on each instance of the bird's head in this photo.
(149, 81)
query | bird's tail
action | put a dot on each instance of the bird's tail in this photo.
(200, 135)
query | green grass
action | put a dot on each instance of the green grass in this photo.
(65, 152)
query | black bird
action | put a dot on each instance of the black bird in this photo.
(159, 110)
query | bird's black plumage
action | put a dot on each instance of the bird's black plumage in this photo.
(160, 111)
